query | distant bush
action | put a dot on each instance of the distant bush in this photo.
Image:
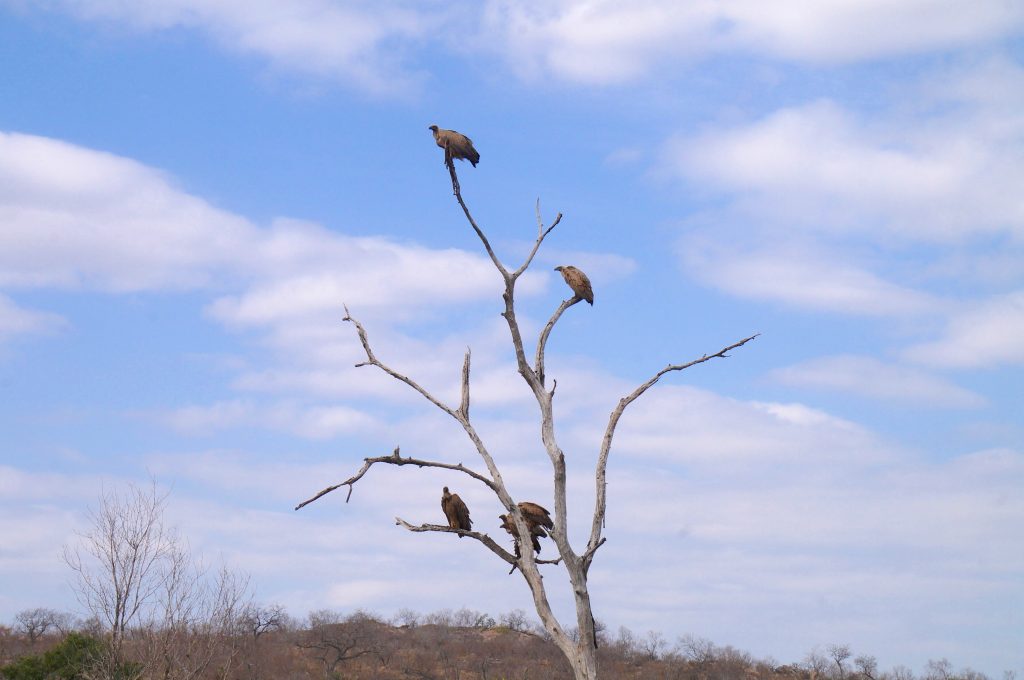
(72, 659)
(67, 661)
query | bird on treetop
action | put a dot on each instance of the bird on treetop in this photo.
(455, 144)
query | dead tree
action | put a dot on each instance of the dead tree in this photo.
(579, 645)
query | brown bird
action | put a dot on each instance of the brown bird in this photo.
(536, 515)
(536, 532)
(456, 511)
(456, 144)
(578, 281)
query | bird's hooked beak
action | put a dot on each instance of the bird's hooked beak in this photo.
(558, 268)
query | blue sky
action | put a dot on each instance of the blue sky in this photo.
(191, 189)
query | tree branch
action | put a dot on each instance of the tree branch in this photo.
(587, 557)
(496, 482)
(541, 235)
(396, 459)
(483, 538)
(606, 444)
(458, 194)
(372, 360)
(542, 342)
(464, 405)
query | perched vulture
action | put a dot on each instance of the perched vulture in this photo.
(456, 511)
(458, 145)
(536, 515)
(578, 281)
(536, 532)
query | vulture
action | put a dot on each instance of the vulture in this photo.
(578, 281)
(456, 144)
(536, 515)
(456, 511)
(536, 532)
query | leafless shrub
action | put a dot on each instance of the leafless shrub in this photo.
(35, 623)
(261, 619)
(515, 620)
(652, 645)
(142, 588)
(838, 655)
(119, 564)
(335, 642)
(468, 618)
(407, 618)
(867, 667)
(938, 670)
(902, 673)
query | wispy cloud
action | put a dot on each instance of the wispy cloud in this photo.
(76, 218)
(909, 213)
(984, 334)
(824, 169)
(361, 44)
(869, 377)
(690, 426)
(799, 275)
(607, 42)
(379, 48)
(310, 421)
(15, 320)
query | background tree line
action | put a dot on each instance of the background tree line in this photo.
(153, 610)
(265, 642)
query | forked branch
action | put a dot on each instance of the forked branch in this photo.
(372, 360)
(606, 443)
(395, 459)
(543, 340)
(461, 415)
(541, 235)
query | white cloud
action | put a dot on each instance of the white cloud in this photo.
(594, 42)
(15, 320)
(823, 208)
(604, 42)
(309, 421)
(78, 218)
(819, 167)
(202, 419)
(799, 275)
(869, 377)
(981, 335)
(75, 218)
(692, 426)
(319, 270)
(841, 31)
(355, 42)
(377, 47)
